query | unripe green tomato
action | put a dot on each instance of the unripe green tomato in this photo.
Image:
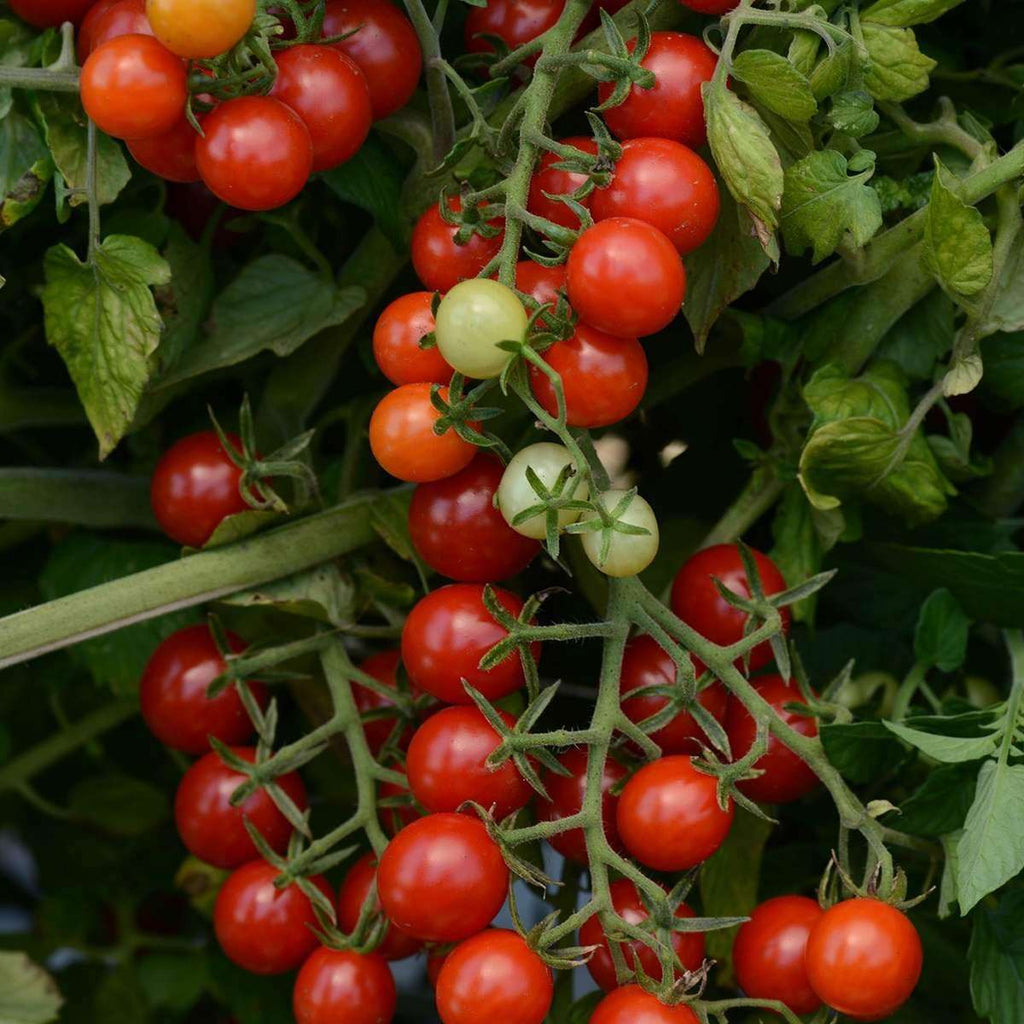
(516, 493)
(472, 318)
(628, 553)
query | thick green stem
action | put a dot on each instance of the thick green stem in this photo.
(41, 79)
(84, 497)
(761, 492)
(442, 116)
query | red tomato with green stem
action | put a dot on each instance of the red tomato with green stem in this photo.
(383, 666)
(542, 284)
(109, 19)
(396, 342)
(401, 810)
(549, 180)
(172, 155)
(632, 1005)
(50, 13)
(355, 887)
(514, 22)
(715, 7)
(439, 261)
(337, 985)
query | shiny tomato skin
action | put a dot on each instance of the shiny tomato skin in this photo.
(383, 666)
(673, 108)
(442, 878)
(385, 48)
(768, 954)
(514, 22)
(632, 1005)
(689, 946)
(696, 600)
(567, 792)
(212, 829)
(668, 815)
(715, 7)
(665, 184)
(261, 928)
(338, 985)
(200, 28)
(403, 441)
(172, 693)
(445, 636)
(603, 377)
(458, 532)
(109, 19)
(396, 342)
(439, 262)
(50, 13)
(133, 87)
(351, 896)
(542, 284)
(257, 153)
(329, 93)
(863, 958)
(625, 278)
(646, 663)
(194, 487)
(786, 776)
(548, 179)
(494, 976)
(172, 155)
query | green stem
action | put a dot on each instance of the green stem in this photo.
(905, 694)
(442, 115)
(84, 497)
(1015, 645)
(91, 165)
(761, 492)
(41, 79)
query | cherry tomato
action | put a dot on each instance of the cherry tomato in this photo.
(435, 961)
(548, 180)
(133, 87)
(669, 817)
(200, 28)
(632, 1005)
(665, 184)
(403, 441)
(446, 764)
(494, 976)
(863, 958)
(472, 320)
(352, 895)
(442, 878)
(50, 13)
(262, 928)
(439, 262)
(625, 277)
(716, 7)
(626, 554)
(514, 22)
(603, 377)
(786, 776)
(172, 693)
(385, 47)
(327, 90)
(542, 284)
(516, 494)
(696, 600)
(394, 818)
(445, 636)
(646, 663)
(458, 532)
(567, 792)
(383, 667)
(768, 953)
(256, 155)
(212, 829)
(194, 487)
(341, 985)
(688, 946)
(95, 9)
(172, 155)
(396, 342)
(673, 108)
(109, 19)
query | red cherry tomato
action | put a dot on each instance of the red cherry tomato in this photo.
(632, 1005)
(396, 342)
(50, 13)
(439, 262)
(514, 22)
(603, 377)
(688, 946)
(645, 663)
(212, 829)
(133, 87)
(109, 19)
(329, 93)
(696, 600)
(768, 953)
(716, 7)
(337, 985)
(172, 693)
(262, 928)
(446, 764)
(84, 35)
(542, 284)
(257, 153)
(172, 155)
(385, 48)
(625, 278)
(494, 976)
(548, 179)
(673, 108)
(442, 878)
(786, 776)
(863, 958)
(459, 533)
(383, 667)
(446, 635)
(194, 487)
(352, 895)
(665, 184)
(403, 441)
(668, 815)
(435, 961)
(394, 818)
(567, 792)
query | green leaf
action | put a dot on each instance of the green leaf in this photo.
(941, 635)
(120, 997)
(776, 84)
(835, 72)
(252, 999)
(103, 320)
(119, 804)
(903, 13)
(25, 168)
(28, 995)
(242, 524)
(187, 297)
(941, 803)
(896, 68)
(862, 751)
(947, 749)
(1007, 310)
(1003, 356)
(853, 113)
(996, 956)
(173, 981)
(922, 336)
(822, 202)
(321, 593)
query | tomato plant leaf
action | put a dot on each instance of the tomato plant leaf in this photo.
(185, 301)
(941, 635)
(853, 113)
(835, 72)
(1003, 356)
(904, 13)
(862, 751)
(941, 802)
(896, 68)
(25, 168)
(172, 981)
(28, 995)
(120, 997)
(921, 336)
(996, 956)
(252, 999)
(776, 84)
(119, 803)
(1007, 310)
